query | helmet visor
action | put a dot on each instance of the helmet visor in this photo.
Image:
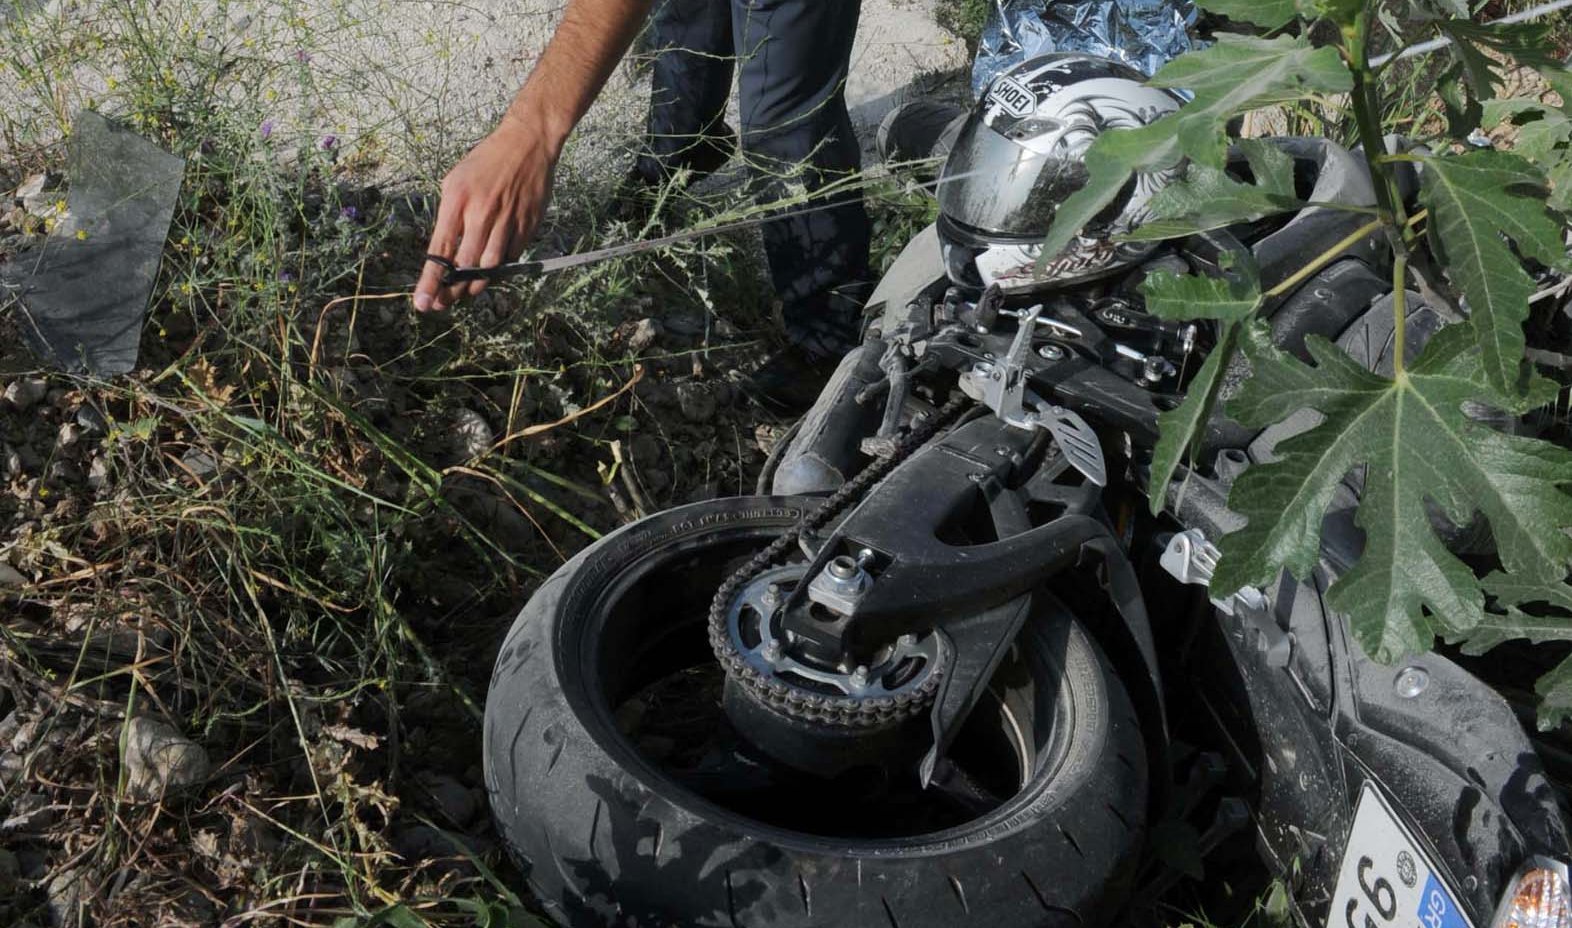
(991, 184)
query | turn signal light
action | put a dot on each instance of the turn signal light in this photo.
(1540, 896)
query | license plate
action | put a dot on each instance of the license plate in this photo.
(1386, 881)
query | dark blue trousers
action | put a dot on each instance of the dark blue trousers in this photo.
(790, 58)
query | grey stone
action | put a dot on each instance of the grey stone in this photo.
(645, 332)
(453, 799)
(62, 472)
(68, 436)
(645, 449)
(422, 843)
(655, 479)
(30, 812)
(10, 873)
(470, 434)
(37, 193)
(159, 760)
(419, 842)
(28, 456)
(20, 735)
(205, 843)
(199, 462)
(10, 576)
(696, 402)
(34, 863)
(655, 393)
(684, 323)
(67, 893)
(90, 419)
(24, 394)
(98, 474)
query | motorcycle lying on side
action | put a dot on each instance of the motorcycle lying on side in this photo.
(946, 669)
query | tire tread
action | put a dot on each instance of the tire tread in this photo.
(558, 777)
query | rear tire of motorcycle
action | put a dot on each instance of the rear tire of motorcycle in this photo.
(604, 839)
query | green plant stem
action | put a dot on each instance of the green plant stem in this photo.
(1365, 100)
(1399, 311)
(1324, 258)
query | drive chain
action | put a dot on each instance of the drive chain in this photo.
(847, 711)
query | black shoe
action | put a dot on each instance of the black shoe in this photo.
(790, 380)
(639, 194)
(920, 130)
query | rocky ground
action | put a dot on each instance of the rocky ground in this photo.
(227, 656)
(250, 594)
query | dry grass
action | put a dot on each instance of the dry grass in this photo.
(299, 532)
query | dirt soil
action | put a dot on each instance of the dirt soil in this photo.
(250, 595)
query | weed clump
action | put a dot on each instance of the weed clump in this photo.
(295, 536)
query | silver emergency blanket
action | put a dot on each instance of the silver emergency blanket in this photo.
(1145, 34)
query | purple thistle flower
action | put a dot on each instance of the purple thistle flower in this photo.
(285, 277)
(303, 56)
(329, 142)
(350, 213)
(266, 129)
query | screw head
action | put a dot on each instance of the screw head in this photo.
(1411, 681)
(772, 651)
(859, 676)
(1051, 353)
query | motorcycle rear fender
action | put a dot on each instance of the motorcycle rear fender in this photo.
(1311, 730)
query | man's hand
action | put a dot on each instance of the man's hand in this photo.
(491, 203)
(494, 198)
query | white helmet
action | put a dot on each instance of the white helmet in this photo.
(1022, 153)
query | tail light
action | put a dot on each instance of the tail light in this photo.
(1540, 896)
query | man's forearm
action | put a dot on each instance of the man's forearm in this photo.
(588, 43)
